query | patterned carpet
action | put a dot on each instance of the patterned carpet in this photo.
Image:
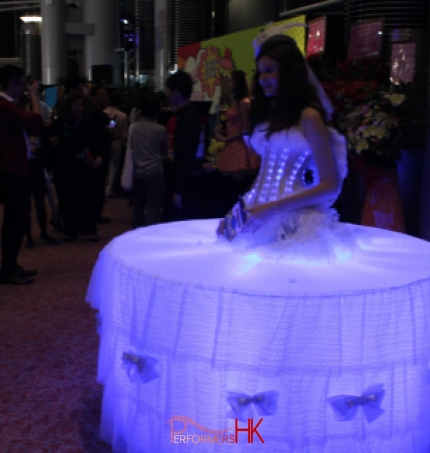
(49, 398)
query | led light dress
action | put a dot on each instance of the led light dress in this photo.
(288, 167)
(197, 332)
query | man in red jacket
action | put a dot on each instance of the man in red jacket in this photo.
(16, 126)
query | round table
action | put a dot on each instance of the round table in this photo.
(205, 348)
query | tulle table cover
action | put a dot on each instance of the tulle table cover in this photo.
(186, 322)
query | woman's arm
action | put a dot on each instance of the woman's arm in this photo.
(244, 111)
(314, 129)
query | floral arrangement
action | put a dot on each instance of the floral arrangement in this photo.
(376, 128)
(375, 116)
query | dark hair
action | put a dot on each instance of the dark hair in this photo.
(150, 107)
(240, 85)
(10, 73)
(295, 92)
(182, 82)
(65, 107)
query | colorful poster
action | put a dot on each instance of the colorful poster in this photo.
(316, 36)
(210, 62)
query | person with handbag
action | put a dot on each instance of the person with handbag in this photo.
(237, 163)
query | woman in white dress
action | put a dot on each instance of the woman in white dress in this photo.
(303, 162)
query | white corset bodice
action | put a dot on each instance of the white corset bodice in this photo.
(287, 166)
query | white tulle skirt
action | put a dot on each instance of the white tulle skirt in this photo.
(210, 320)
(305, 235)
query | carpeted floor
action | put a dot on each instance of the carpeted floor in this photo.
(49, 398)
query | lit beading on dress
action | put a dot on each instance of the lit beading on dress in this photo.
(287, 166)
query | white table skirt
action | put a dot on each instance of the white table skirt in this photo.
(218, 321)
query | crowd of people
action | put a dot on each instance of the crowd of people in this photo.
(88, 147)
(71, 157)
(69, 146)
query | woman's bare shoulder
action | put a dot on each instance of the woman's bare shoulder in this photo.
(311, 119)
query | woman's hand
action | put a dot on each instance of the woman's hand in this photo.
(258, 217)
(220, 137)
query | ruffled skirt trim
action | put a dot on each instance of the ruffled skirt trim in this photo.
(304, 235)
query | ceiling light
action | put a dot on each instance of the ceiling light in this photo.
(31, 19)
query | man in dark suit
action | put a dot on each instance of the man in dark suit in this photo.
(188, 129)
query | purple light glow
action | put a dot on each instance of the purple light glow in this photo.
(219, 320)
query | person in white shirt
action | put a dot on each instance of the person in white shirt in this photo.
(147, 148)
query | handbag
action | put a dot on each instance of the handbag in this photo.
(127, 171)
